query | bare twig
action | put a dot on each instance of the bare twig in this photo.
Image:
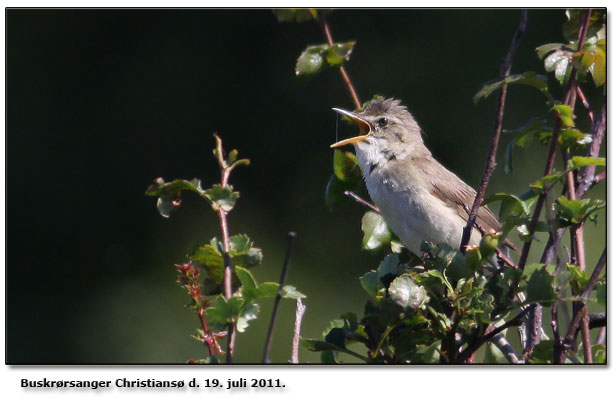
(505, 70)
(582, 97)
(299, 314)
(283, 278)
(343, 72)
(359, 199)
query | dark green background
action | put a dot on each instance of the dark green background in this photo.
(101, 102)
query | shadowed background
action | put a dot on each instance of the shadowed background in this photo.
(101, 102)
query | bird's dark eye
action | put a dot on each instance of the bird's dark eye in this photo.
(383, 122)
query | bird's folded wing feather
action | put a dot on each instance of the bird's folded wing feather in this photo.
(459, 196)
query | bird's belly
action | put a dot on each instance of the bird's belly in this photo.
(415, 215)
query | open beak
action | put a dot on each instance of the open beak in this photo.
(364, 129)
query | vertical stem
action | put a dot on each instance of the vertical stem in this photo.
(283, 278)
(343, 73)
(498, 125)
(299, 314)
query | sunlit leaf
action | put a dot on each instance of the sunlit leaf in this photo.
(528, 78)
(376, 231)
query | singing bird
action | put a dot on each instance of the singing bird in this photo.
(418, 197)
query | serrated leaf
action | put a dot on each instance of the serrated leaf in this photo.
(310, 61)
(406, 293)
(577, 210)
(561, 63)
(241, 252)
(338, 53)
(376, 232)
(564, 114)
(169, 193)
(346, 166)
(222, 197)
(528, 78)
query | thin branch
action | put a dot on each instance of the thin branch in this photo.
(587, 178)
(359, 199)
(299, 314)
(570, 98)
(503, 345)
(474, 346)
(505, 70)
(343, 72)
(577, 317)
(582, 97)
(283, 278)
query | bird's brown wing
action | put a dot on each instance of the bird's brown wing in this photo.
(459, 195)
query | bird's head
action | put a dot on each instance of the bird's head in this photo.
(386, 128)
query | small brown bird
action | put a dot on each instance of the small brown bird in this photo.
(417, 196)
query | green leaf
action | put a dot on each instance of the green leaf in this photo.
(543, 352)
(524, 135)
(319, 345)
(511, 204)
(371, 282)
(291, 292)
(310, 61)
(404, 292)
(564, 114)
(575, 211)
(295, 14)
(338, 53)
(560, 62)
(346, 166)
(250, 290)
(545, 49)
(592, 60)
(540, 288)
(268, 290)
(494, 355)
(577, 162)
(571, 27)
(241, 252)
(168, 193)
(249, 312)
(222, 197)
(376, 231)
(335, 191)
(528, 78)
(222, 312)
(246, 278)
(599, 353)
